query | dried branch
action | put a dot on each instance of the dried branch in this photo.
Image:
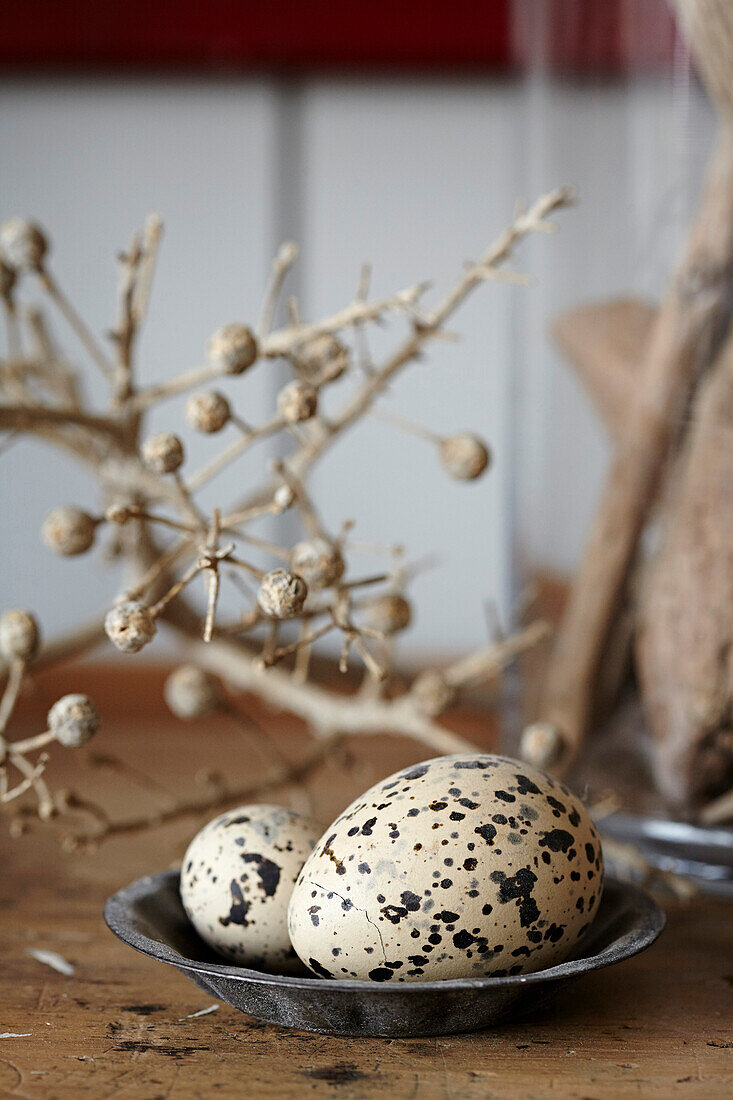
(311, 583)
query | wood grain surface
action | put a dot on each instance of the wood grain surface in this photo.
(660, 1025)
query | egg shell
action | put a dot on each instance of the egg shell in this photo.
(459, 867)
(236, 879)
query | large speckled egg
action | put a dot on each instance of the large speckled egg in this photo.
(236, 879)
(460, 867)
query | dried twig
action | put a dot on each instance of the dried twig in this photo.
(309, 583)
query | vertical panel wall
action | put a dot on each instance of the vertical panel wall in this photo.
(414, 176)
(418, 178)
(89, 159)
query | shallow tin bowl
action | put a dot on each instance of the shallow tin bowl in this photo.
(148, 916)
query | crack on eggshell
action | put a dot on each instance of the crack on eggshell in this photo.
(350, 904)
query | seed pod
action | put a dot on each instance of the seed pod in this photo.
(432, 692)
(208, 411)
(232, 349)
(191, 692)
(318, 562)
(23, 244)
(323, 355)
(389, 614)
(541, 744)
(281, 594)
(19, 635)
(130, 626)
(284, 497)
(297, 401)
(163, 453)
(118, 513)
(73, 720)
(464, 456)
(68, 530)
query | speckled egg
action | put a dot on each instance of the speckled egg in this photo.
(460, 867)
(236, 879)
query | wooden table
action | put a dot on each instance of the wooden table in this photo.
(657, 1026)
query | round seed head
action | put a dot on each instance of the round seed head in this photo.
(318, 562)
(232, 349)
(118, 513)
(163, 453)
(68, 530)
(281, 594)
(73, 720)
(208, 411)
(192, 693)
(323, 355)
(464, 456)
(19, 635)
(389, 614)
(542, 745)
(432, 692)
(23, 244)
(130, 626)
(284, 497)
(297, 401)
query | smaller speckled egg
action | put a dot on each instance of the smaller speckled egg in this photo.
(236, 879)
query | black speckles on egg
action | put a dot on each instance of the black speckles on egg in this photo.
(380, 974)
(267, 869)
(488, 832)
(417, 773)
(519, 888)
(510, 839)
(238, 909)
(557, 840)
(526, 786)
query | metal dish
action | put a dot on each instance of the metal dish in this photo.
(704, 855)
(148, 916)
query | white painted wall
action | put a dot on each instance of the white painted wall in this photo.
(414, 176)
(89, 159)
(409, 178)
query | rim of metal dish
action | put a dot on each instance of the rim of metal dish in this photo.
(667, 831)
(116, 916)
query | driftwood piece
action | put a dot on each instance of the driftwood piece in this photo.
(679, 621)
(684, 644)
(694, 312)
(605, 343)
(682, 343)
(708, 26)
